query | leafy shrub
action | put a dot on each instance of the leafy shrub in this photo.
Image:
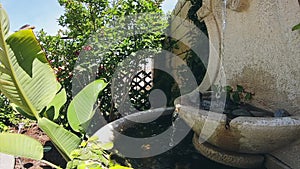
(93, 154)
(84, 18)
(9, 117)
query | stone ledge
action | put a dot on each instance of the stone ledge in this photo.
(233, 159)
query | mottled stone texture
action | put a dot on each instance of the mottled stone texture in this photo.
(261, 50)
(228, 158)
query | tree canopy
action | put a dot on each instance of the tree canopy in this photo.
(85, 18)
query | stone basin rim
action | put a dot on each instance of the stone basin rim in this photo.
(257, 121)
(128, 121)
(253, 135)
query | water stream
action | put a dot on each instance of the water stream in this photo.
(174, 119)
(222, 77)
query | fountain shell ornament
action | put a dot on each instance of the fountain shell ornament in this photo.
(238, 5)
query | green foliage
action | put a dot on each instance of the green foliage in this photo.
(54, 107)
(19, 76)
(64, 140)
(9, 117)
(93, 154)
(21, 145)
(30, 83)
(238, 95)
(296, 27)
(83, 18)
(81, 108)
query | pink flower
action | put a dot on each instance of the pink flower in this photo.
(87, 48)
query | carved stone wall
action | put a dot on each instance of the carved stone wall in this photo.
(262, 53)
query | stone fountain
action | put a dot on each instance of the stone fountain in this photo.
(261, 53)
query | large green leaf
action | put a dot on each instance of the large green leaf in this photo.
(53, 109)
(26, 77)
(21, 145)
(64, 140)
(81, 109)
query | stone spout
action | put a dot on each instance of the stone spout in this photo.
(238, 5)
(235, 5)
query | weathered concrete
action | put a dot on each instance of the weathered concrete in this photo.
(245, 134)
(273, 163)
(261, 51)
(289, 156)
(228, 158)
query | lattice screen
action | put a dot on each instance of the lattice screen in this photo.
(140, 90)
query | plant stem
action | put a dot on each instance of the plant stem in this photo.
(50, 164)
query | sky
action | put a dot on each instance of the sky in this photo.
(43, 14)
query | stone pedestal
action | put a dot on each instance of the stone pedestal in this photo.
(240, 160)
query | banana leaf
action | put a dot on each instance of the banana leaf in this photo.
(63, 139)
(53, 109)
(21, 146)
(26, 77)
(81, 109)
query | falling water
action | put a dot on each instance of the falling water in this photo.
(224, 24)
(222, 45)
(175, 118)
(224, 15)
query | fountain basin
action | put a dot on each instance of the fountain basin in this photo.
(180, 155)
(253, 135)
(151, 133)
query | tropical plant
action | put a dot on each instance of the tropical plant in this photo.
(29, 82)
(22, 146)
(92, 154)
